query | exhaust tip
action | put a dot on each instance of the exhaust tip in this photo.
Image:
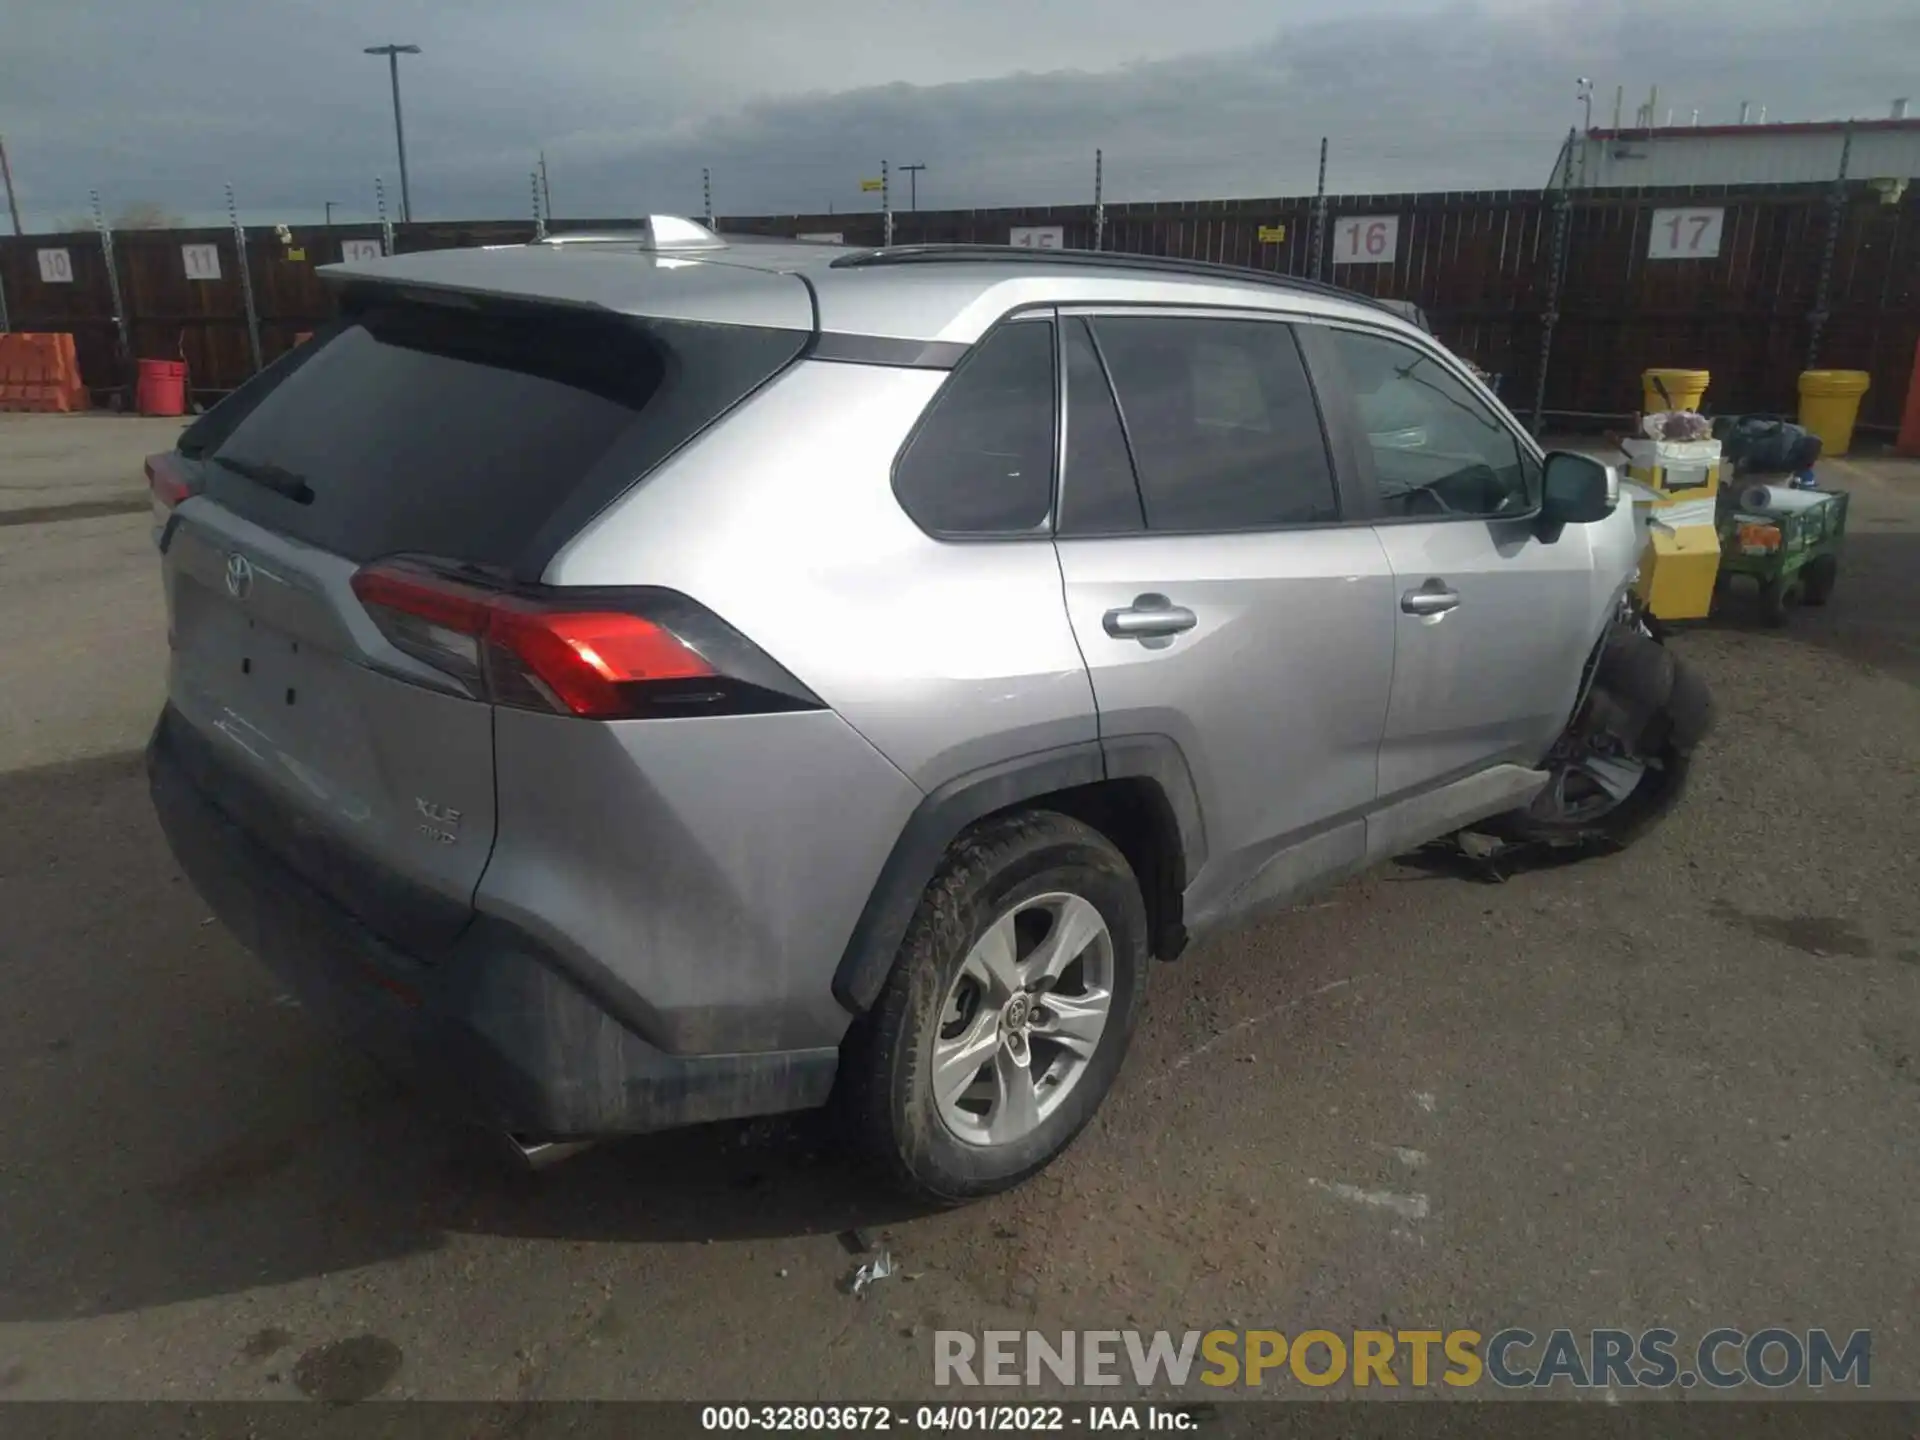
(532, 1155)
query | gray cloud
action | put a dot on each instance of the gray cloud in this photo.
(1004, 102)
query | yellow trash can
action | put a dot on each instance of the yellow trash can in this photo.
(1685, 389)
(1830, 403)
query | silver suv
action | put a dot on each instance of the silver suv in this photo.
(644, 679)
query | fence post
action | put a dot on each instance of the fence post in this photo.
(1823, 287)
(1099, 206)
(886, 208)
(6, 326)
(113, 288)
(706, 193)
(246, 279)
(1556, 275)
(386, 225)
(1317, 239)
(539, 220)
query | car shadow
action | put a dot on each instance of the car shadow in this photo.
(179, 1130)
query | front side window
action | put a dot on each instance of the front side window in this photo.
(1222, 421)
(1438, 450)
(981, 462)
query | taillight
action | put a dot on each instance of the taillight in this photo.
(604, 655)
(167, 484)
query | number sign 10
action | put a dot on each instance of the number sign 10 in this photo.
(1685, 234)
(1365, 239)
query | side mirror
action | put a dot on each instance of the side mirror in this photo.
(1576, 490)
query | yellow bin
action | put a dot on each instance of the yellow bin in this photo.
(1830, 403)
(1685, 389)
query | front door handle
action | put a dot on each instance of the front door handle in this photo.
(1436, 597)
(1149, 617)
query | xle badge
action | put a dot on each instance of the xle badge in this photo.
(439, 823)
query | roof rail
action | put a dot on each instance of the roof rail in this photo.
(1104, 259)
(654, 232)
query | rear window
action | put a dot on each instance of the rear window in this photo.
(488, 436)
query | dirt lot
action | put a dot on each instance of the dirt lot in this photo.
(1680, 1086)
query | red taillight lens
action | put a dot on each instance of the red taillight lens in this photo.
(167, 483)
(585, 659)
(657, 654)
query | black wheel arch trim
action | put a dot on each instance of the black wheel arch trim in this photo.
(950, 808)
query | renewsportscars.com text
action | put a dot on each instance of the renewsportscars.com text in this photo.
(1725, 1358)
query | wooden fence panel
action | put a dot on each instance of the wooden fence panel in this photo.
(1479, 264)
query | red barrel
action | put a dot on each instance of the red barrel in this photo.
(162, 388)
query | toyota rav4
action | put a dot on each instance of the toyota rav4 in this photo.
(637, 679)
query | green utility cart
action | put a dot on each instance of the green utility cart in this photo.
(1790, 546)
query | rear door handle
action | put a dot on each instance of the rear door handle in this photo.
(1148, 617)
(1435, 597)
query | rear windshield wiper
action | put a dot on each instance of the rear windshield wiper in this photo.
(276, 478)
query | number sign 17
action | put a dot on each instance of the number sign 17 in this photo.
(1365, 239)
(1685, 234)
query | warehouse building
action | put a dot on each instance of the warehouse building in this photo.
(1884, 150)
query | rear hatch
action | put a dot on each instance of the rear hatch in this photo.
(481, 435)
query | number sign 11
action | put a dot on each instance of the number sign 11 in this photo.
(201, 262)
(1365, 239)
(1685, 234)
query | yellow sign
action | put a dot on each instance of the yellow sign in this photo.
(873, 185)
(1272, 234)
(296, 253)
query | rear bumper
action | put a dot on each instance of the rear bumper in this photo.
(491, 1027)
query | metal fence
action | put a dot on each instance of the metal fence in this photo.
(1566, 295)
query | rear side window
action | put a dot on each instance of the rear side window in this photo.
(479, 435)
(981, 461)
(1222, 421)
(1098, 495)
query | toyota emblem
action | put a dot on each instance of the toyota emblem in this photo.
(239, 576)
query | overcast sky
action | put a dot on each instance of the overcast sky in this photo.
(791, 102)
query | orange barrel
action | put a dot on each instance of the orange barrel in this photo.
(162, 388)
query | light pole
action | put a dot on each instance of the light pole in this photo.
(393, 54)
(913, 185)
(329, 204)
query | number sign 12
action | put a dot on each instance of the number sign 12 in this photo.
(358, 252)
(202, 262)
(1365, 239)
(1685, 234)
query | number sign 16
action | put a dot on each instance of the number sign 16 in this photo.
(1365, 239)
(1685, 234)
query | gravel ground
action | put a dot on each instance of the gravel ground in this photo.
(1679, 1086)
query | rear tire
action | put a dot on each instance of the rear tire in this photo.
(1776, 602)
(932, 1077)
(1817, 580)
